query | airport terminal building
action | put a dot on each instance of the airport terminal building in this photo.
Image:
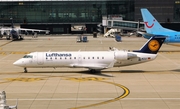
(59, 15)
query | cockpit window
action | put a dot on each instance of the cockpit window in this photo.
(28, 56)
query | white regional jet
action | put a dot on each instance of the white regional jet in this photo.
(93, 60)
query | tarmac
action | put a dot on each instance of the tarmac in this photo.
(151, 85)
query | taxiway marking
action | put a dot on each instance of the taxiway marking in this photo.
(125, 93)
(70, 99)
(24, 79)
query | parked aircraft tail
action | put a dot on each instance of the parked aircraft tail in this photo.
(12, 24)
(153, 45)
(151, 24)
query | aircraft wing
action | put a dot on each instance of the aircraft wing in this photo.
(5, 29)
(148, 36)
(89, 66)
(33, 30)
(94, 66)
(24, 29)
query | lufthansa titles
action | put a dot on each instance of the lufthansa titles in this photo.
(58, 54)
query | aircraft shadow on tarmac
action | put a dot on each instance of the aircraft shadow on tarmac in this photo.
(98, 73)
(104, 73)
(132, 71)
(176, 70)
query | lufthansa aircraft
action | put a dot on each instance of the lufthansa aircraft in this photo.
(153, 27)
(92, 60)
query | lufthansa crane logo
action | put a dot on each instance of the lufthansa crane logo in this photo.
(149, 26)
(153, 45)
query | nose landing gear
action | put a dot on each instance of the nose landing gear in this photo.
(25, 70)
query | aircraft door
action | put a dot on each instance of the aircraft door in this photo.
(40, 58)
(79, 59)
(167, 38)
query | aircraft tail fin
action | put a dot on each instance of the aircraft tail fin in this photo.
(12, 23)
(153, 45)
(151, 24)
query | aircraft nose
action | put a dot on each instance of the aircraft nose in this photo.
(18, 63)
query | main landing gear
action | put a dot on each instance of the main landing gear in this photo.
(25, 70)
(94, 71)
(21, 37)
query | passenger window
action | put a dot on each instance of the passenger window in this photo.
(97, 57)
(84, 58)
(74, 57)
(88, 57)
(92, 57)
(102, 57)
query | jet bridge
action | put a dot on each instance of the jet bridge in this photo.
(116, 23)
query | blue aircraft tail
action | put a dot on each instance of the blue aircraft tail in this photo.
(151, 24)
(153, 45)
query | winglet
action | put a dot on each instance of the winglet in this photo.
(153, 45)
(12, 107)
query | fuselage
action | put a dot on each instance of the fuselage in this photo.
(14, 34)
(171, 37)
(85, 59)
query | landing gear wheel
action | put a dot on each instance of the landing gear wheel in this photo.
(20, 37)
(8, 37)
(25, 70)
(93, 71)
